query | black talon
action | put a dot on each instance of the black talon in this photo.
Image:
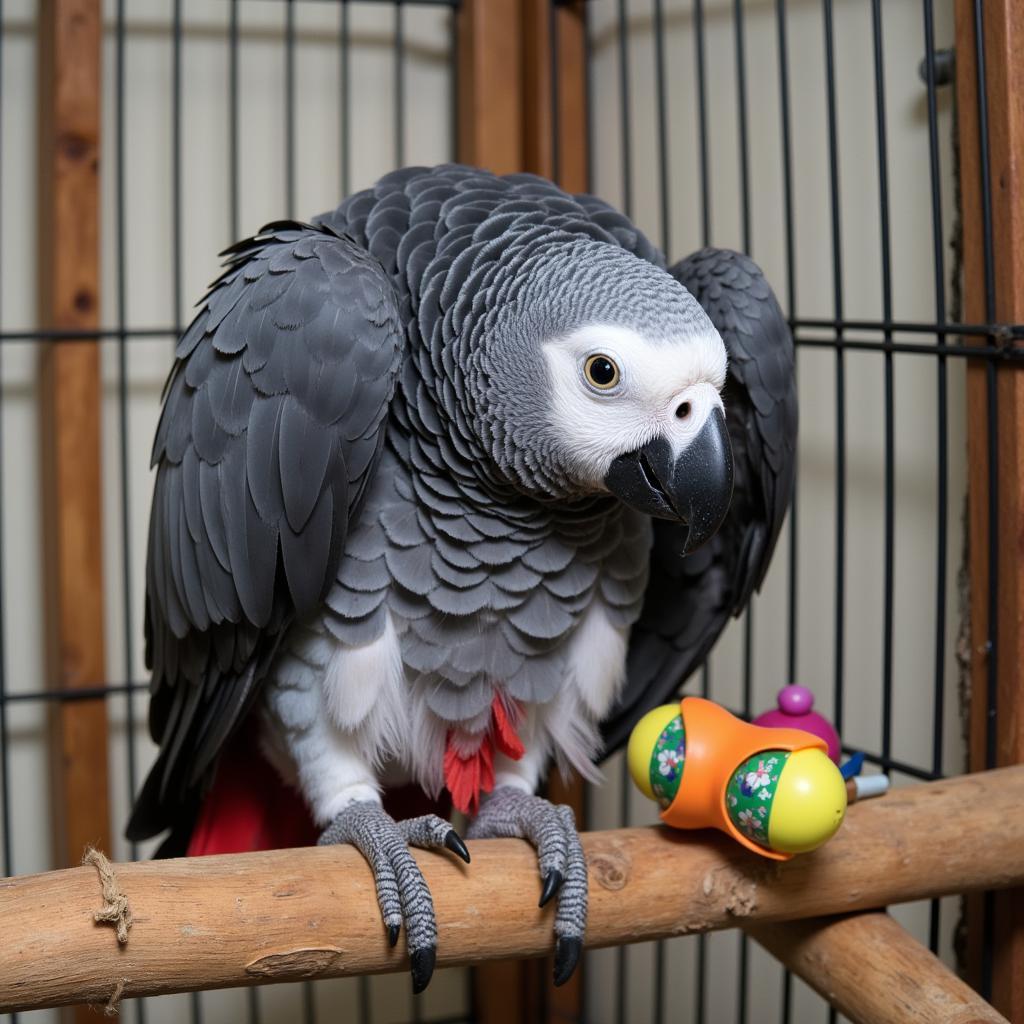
(454, 843)
(422, 961)
(567, 956)
(552, 883)
(393, 930)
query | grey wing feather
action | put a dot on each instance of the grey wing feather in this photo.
(690, 599)
(272, 425)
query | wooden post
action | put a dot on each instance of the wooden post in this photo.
(283, 915)
(873, 971)
(506, 124)
(1003, 38)
(69, 112)
(490, 105)
(565, 158)
(490, 97)
(555, 103)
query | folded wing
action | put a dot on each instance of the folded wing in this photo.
(273, 420)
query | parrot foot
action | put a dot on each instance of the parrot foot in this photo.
(551, 829)
(402, 892)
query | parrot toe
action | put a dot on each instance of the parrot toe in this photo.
(552, 883)
(567, 956)
(551, 829)
(454, 843)
(429, 832)
(402, 892)
(422, 968)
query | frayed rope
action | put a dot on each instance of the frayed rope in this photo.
(115, 909)
(113, 1005)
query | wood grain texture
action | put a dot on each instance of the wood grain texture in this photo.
(873, 971)
(555, 85)
(69, 375)
(513, 993)
(490, 93)
(69, 134)
(998, 296)
(214, 922)
(490, 104)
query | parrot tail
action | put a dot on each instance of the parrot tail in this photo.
(468, 775)
(250, 807)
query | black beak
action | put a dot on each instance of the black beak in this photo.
(694, 489)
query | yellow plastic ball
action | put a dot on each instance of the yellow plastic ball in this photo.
(641, 745)
(809, 803)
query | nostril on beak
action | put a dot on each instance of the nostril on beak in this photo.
(682, 410)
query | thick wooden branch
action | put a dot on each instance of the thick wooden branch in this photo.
(873, 971)
(247, 919)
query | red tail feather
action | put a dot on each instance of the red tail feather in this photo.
(469, 775)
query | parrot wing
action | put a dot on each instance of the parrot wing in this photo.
(273, 420)
(689, 599)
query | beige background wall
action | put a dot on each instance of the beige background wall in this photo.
(205, 229)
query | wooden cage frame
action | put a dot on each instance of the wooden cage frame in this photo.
(506, 97)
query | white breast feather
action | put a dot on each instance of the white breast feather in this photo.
(596, 669)
(365, 694)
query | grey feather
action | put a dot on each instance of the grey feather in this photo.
(220, 518)
(305, 454)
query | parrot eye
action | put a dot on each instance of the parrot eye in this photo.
(601, 372)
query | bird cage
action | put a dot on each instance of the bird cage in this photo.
(865, 154)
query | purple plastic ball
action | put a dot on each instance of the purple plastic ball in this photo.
(796, 700)
(796, 711)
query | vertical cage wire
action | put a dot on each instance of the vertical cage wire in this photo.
(840, 375)
(786, 1004)
(5, 771)
(5, 758)
(941, 427)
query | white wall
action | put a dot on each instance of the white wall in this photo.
(205, 229)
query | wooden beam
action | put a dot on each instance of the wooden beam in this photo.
(490, 94)
(490, 134)
(554, 51)
(998, 297)
(873, 971)
(508, 993)
(69, 258)
(246, 919)
(562, 25)
(69, 112)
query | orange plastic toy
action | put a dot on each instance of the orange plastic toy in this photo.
(703, 765)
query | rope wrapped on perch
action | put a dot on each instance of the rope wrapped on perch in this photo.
(243, 919)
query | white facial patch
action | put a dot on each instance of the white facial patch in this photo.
(666, 387)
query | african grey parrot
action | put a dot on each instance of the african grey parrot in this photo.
(430, 470)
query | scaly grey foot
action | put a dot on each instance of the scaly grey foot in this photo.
(551, 829)
(401, 889)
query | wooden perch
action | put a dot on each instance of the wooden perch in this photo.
(214, 922)
(873, 971)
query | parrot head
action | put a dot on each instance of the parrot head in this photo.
(601, 373)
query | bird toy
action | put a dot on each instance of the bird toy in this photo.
(773, 790)
(796, 711)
